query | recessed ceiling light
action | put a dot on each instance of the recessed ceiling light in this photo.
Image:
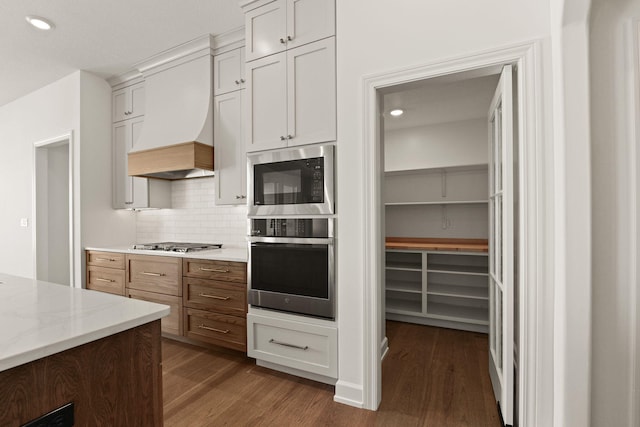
(39, 23)
(397, 112)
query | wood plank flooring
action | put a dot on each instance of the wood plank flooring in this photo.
(431, 377)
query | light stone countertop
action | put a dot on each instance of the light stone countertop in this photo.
(38, 319)
(236, 254)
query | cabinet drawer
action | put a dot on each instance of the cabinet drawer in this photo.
(171, 324)
(105, 259)
(103, 279)
(155, 274)
(227, 271)
(204, 294)
(220, 329)
(309, 347)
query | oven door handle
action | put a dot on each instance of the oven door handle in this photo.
(298, 240)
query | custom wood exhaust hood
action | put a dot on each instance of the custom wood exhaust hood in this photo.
(176, 140)
(179, 161)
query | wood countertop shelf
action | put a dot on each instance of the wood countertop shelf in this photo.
(434, 244)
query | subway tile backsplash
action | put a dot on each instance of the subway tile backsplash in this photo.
(194, 217)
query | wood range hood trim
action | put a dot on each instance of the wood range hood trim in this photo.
(178, 161)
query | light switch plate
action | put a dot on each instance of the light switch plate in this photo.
(24, 222)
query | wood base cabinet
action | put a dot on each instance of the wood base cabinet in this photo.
(207, 298)
(215, 300)
(106, 272)
(158, 279)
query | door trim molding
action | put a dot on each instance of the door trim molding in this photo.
(536, 337)
(66, 138)
(634, 140)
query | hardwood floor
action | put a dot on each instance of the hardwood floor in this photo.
(431, 377)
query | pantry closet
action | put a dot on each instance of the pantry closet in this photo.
(444, 194)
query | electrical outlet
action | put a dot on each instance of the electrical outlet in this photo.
(24, 222)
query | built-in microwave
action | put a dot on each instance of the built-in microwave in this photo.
(292, 181)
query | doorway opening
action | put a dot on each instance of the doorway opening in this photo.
(523, 254)
(53, 234)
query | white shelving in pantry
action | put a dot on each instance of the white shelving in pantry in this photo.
(438, 288)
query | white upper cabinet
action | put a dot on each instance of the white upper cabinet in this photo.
(229, 158)
(286, 24)
(228, 72)
(267, 106)
(311, 93)
(129, 192)
(292, 97)
(128, 102)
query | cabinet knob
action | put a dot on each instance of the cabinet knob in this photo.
(289, 38)
(282, 40)
(242, 80)
(289, 137)
(237, 82)
(282, 138)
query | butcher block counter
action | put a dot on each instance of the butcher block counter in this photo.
(436, 244)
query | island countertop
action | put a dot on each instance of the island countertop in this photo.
(38, 319)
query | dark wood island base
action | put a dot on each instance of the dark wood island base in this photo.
(113, 381)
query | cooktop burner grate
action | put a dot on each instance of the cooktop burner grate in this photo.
(176, 246)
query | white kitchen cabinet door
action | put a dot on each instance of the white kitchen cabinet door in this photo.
(267, 106)
(309, 20)
(311, 93)
(128, 102)
(287, 24)
(229, 154)
(501, 247)
(128, 192)
(265, 30)
(228, 72)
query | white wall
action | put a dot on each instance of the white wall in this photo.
(440, 145)
(79, 103)
(398, 35)
(614, 194)
(194, 217)
(45, 113)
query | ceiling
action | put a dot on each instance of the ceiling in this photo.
(440, 100)
(104, 37)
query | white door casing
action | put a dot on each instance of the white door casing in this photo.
(535, 358)
(501, 247)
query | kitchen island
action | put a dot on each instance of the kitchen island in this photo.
(61, 345)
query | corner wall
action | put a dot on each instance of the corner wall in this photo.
(398, 36)
(615, 87)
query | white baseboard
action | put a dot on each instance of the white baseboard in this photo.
(384, 348)
(349, 394)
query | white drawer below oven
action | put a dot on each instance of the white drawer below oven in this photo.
(295, 344)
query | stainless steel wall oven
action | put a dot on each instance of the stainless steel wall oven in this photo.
(292, 181)
(292, 265)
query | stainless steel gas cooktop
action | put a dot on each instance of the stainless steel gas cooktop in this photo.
(176, 246)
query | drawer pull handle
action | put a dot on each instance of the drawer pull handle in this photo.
(153, 274)
(105, 259)
(209, 328)
(272, 341)
(100, 279)
(214, 297)
(214, 270)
